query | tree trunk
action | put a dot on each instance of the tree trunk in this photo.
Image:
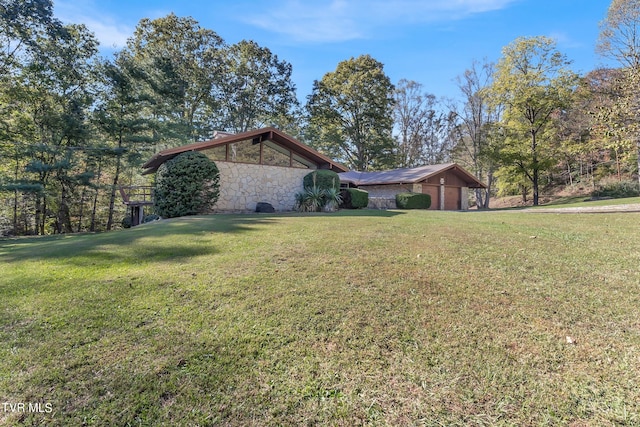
(64, 216)
(638, 149)
(535, 176)
(112, 197)
(488, 190)
(39, 213)
(15, 197)
(81, 213)
(43, 218)
(92, 227)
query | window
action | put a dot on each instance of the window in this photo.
(301, 162)
(248, 151)
(216, 153)
(275, 155)
(244, 152)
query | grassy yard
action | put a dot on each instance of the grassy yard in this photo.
(353, 318)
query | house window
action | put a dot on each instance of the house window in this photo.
(275, 155)
(244, 152)
(216, 153)
(300, 162)
(266, 153)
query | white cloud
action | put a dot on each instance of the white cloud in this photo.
(108, 31)
(341, 20)
(564, 40)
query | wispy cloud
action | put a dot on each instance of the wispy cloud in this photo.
(342, 20)
(109, 32)
(563, 39)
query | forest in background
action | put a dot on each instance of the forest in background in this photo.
(74, 126)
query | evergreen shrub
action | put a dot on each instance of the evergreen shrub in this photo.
(413, 201)
(186, 185)
(324, 179)
(150, 218)
(126, 222)
(354, 198)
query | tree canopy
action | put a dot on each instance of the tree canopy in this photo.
(533, 84)
(351, 114)
(620, 39)
(75, 127)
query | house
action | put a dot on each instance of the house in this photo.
(447, 184)
(263, 165)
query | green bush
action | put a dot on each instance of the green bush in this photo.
(186, 185)
(126, 222)
(324, 179)
(413, 201)
(314, 199)
(354, 198)
(618, 190)
(150, 217)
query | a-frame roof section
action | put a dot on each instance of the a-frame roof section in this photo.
(264, 134)
(408, 175)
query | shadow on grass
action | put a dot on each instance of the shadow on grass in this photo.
(124, 245)
(379, 213)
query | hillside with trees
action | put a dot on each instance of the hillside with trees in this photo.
(75, 126)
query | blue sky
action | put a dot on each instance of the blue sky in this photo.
(429, 41)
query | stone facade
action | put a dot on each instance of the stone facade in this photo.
(384, 196)
(243, 186)
(388, 191)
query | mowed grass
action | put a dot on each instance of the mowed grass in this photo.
(353, 318)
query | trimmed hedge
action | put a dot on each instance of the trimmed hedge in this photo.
(413, 201)
(354, 198)
(325, 179)
(186, 185)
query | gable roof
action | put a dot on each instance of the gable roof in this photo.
(408, 175)
(264, 134)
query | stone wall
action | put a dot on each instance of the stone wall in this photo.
(384, 196)
(387, 191)
(243, 185)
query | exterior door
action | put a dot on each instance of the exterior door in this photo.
(434, 192)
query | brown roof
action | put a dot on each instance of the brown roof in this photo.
(269, 133)
(408, 175)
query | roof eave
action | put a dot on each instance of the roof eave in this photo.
(268, 133)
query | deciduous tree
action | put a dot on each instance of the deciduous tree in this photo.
(351, 114)
(257, 90)
(182, 64)
(476, 119)
(422, 131)
(533, 83)
(620, 40)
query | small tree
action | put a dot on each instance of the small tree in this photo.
(186, 185)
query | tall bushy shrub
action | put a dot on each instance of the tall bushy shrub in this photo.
(323, 179)
(354, 198)
(413, 201)
(186, 185)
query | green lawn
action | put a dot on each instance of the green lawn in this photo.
(353, 318)
(582, 201)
